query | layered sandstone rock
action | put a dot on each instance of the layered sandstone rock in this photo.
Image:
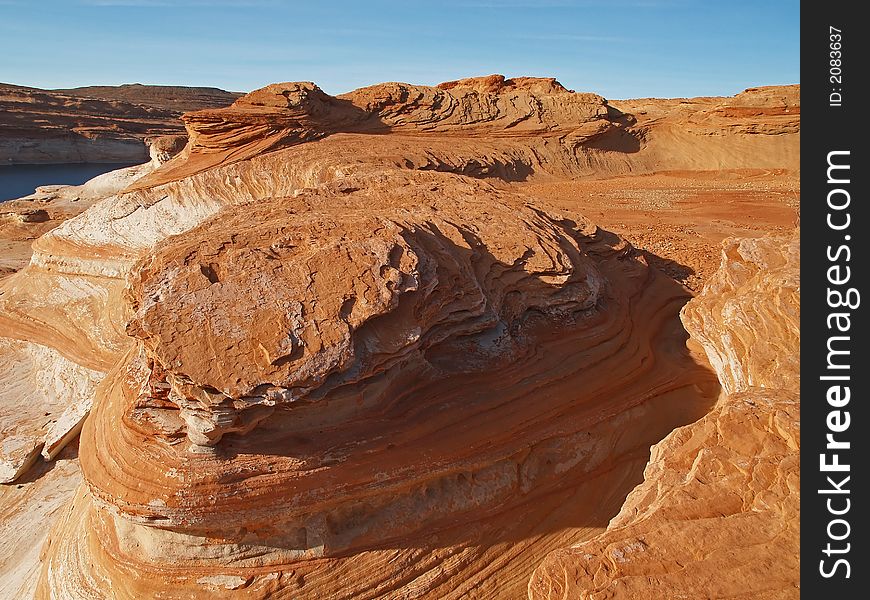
(362, 368)
(483, 109)
(718, 512)
(51, 394)
(486, 127)
(26, 507)
(26, 219)
(718, 133)
(59, 321)
(342, 356)
(748, 318)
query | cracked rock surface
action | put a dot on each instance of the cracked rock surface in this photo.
(335, 347)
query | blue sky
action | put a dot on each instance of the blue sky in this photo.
(617, 48)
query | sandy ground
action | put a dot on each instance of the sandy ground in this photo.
(679, 219)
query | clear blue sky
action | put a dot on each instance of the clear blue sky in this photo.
(618, 48)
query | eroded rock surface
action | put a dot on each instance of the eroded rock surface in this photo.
(323, 352)
(718, 512)
(60, 329)
(343, 355)
(47, 397)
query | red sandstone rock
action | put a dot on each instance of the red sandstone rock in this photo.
(718, 512)
(342, 357)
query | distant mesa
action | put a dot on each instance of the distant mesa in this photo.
(95, 124)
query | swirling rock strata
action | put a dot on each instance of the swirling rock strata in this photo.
(482, 127)
(341, 357)
(718, 512)
(25, 509)
(748, 319)
(61, 323)
(413, 332)
(287, 114)
(51, 397)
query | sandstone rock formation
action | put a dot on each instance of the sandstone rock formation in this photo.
(45, 396)
(51, 395)
(718, 133)
(327, 346)
(93, 124)
(485, 127)
(718, 512)
(338, 352)
(26, 508)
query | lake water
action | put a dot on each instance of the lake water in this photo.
(21, 180)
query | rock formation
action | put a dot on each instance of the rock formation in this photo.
(26, 508)
(331, 349)
(93, 124)
(328, 346)
(718, 512)
(54, 392)
(26, 219)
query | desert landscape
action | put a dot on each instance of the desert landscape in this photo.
(493, 338)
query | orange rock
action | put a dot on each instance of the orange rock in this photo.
(718, 512)
(360, 368)
(342, 355)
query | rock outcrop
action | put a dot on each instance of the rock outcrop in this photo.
(483, 109)
(52, 396)
(718, 512)
(362, 367)
(486, 127)
(333, 350)
(718, 133)
(26, 507)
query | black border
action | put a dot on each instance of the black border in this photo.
(825, 128)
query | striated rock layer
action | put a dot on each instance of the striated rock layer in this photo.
(52, 396)
(718, 512)
(26, 511)
(342, 358)
(357, 370)
(60, 327)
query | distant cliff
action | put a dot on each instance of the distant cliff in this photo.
(94, 124)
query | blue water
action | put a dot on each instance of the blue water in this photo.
(21, 180)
